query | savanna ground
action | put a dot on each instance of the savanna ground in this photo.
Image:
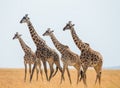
(13, 78)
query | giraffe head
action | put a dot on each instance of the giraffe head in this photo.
(69, 25)
(25, 19)
(17, 35)
(48, 32)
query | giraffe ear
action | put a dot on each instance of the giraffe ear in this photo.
(20, 35)
(87, 44)
(73, 25)
(52, 31)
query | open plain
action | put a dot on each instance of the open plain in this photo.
(14, 78)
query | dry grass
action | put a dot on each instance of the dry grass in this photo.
(13, 78)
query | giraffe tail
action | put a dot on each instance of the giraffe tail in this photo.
(55, 72)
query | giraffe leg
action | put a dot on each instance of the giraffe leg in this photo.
(30, 69)
(40, 69)
(55, 72)
(69, 75)
(84, 80)
(62, 75)
(98, 69)
(78, 75)
(33, 70)
(84, 75)
(37, 71)
(78, 72)
(51, 70)
(98, 77)
(45, 69)
(58, 66)
(25, 71)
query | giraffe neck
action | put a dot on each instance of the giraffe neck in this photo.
(23, 45)
(60, 47)
(36, 38)
(76, 39)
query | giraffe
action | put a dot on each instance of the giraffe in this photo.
(29, 57)
(89, 57)
(68, 57)
(44, 52)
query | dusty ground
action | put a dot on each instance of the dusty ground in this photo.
(13, 78)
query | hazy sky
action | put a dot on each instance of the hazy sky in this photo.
(96, 22)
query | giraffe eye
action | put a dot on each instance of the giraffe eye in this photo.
(67, 26)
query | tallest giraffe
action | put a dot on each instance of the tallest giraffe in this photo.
(43, 52)
(89, 57)
(36, 39)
